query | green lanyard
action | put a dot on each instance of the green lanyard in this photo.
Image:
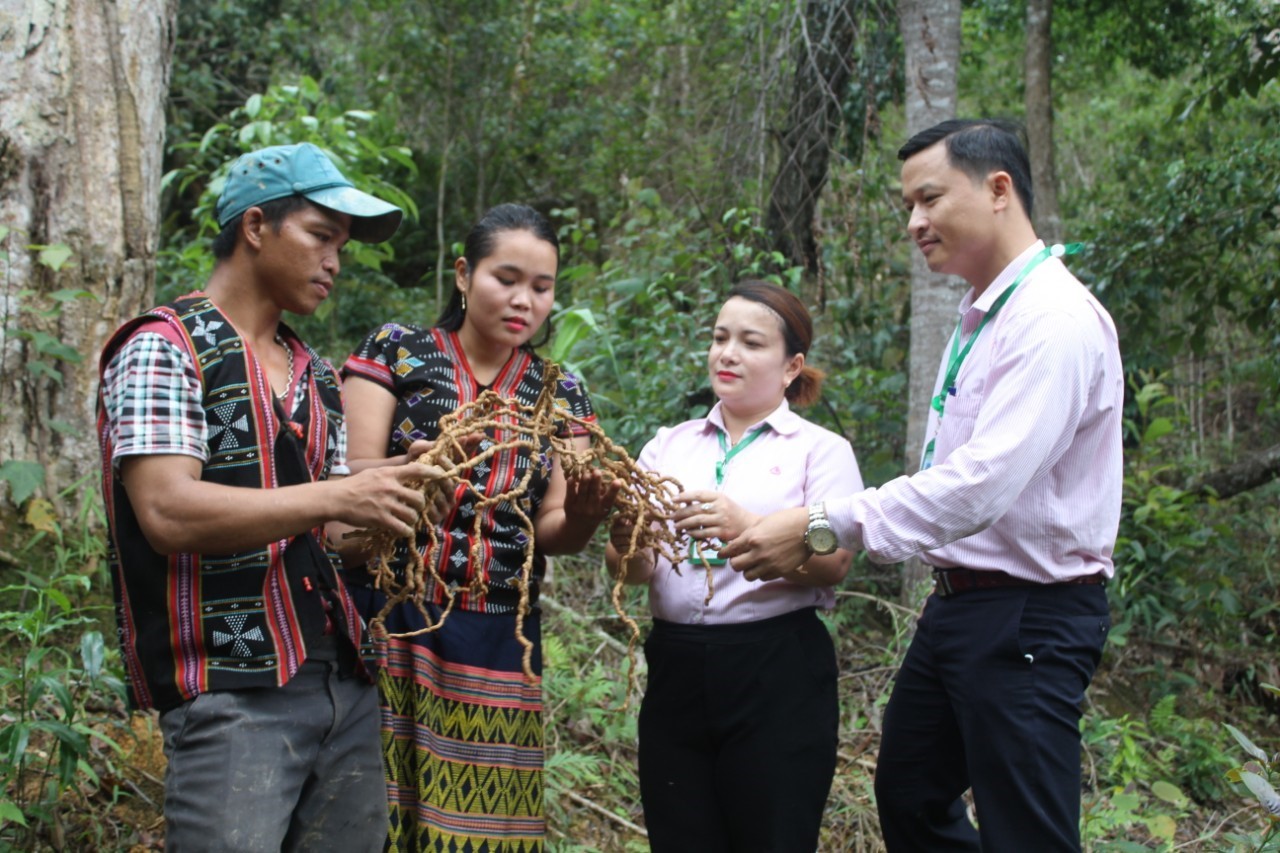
(727, 453)
(958, 355)
(696, 554)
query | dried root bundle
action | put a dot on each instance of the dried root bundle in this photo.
(644, 498)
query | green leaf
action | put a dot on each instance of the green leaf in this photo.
(1169, 792)
(403, 156)
(92, 653)
(253, 106)
(13, 742)
(1126, 801)
(1263, 791)
(43, 368)
(212, 134)
(1162, 826)
(55, 256)
(55, 686)
(11, 813)
(1244, 741)
(59, 598)
(68, 294)
(572, 326)
(309, 87)
(69, 737)
(1156, 429)
(23, 478)
(47, 344)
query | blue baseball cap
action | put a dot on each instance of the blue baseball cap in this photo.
(305, 170)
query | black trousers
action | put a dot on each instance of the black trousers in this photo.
(738, 735)
(989, 697)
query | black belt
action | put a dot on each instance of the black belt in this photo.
(948, 582)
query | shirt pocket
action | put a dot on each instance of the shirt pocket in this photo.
(958, 419)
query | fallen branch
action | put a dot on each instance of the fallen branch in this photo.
(1250, 473)
(598, 809)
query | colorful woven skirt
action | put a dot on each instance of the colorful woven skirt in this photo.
(461, 733)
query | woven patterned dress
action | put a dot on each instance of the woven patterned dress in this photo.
(462, 727)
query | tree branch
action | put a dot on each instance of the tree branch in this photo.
(601, 810)
(1250, 473)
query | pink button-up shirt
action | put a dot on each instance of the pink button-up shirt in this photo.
(1027, 468)
(793, 463)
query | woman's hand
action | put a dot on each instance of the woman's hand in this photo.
(640, 567)
(589, 498)
(573, 507)
(620, 533)
(711, 515)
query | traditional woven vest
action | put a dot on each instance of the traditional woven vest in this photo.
(190, 623)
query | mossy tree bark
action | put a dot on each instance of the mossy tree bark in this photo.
(82, 92)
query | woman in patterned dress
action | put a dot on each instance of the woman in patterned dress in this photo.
(462, 724)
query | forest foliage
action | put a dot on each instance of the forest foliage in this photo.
(649, 133)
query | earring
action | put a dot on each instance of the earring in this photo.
(464, 303)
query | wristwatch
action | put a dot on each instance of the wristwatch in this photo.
(819, 537)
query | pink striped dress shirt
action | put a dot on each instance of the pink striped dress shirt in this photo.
(794, 463)
(1027, 469)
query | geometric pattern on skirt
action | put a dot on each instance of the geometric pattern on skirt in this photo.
(470, 736)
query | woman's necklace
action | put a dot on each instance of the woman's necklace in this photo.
(288, 350)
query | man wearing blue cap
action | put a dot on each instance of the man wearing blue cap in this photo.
(221, 434)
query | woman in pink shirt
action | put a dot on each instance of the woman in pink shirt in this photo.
(738, 723)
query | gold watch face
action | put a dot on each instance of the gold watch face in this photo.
(821, 540)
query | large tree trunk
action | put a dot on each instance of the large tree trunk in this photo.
(82, 93)
(1038, 98)
(931, 42)
(824, 64)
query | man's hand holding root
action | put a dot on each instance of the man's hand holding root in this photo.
(388, 494)
(771, 548)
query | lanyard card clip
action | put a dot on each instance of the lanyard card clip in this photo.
(698, 556)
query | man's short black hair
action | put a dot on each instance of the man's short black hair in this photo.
(274, 214)
(979, 147)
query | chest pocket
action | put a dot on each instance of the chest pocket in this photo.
(958, 420)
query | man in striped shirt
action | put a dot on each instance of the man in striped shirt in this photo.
(1016, 508)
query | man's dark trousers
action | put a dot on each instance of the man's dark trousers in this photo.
(989, 697)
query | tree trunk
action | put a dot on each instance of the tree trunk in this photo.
(823, 66)
(1038, 97)
(931, 42)
(82, 93)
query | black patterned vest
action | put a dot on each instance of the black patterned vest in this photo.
(190, 623)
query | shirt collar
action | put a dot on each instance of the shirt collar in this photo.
(781, 420)
(1001, 282)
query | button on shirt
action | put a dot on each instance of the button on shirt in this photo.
(1027, 470)
(793, 463)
